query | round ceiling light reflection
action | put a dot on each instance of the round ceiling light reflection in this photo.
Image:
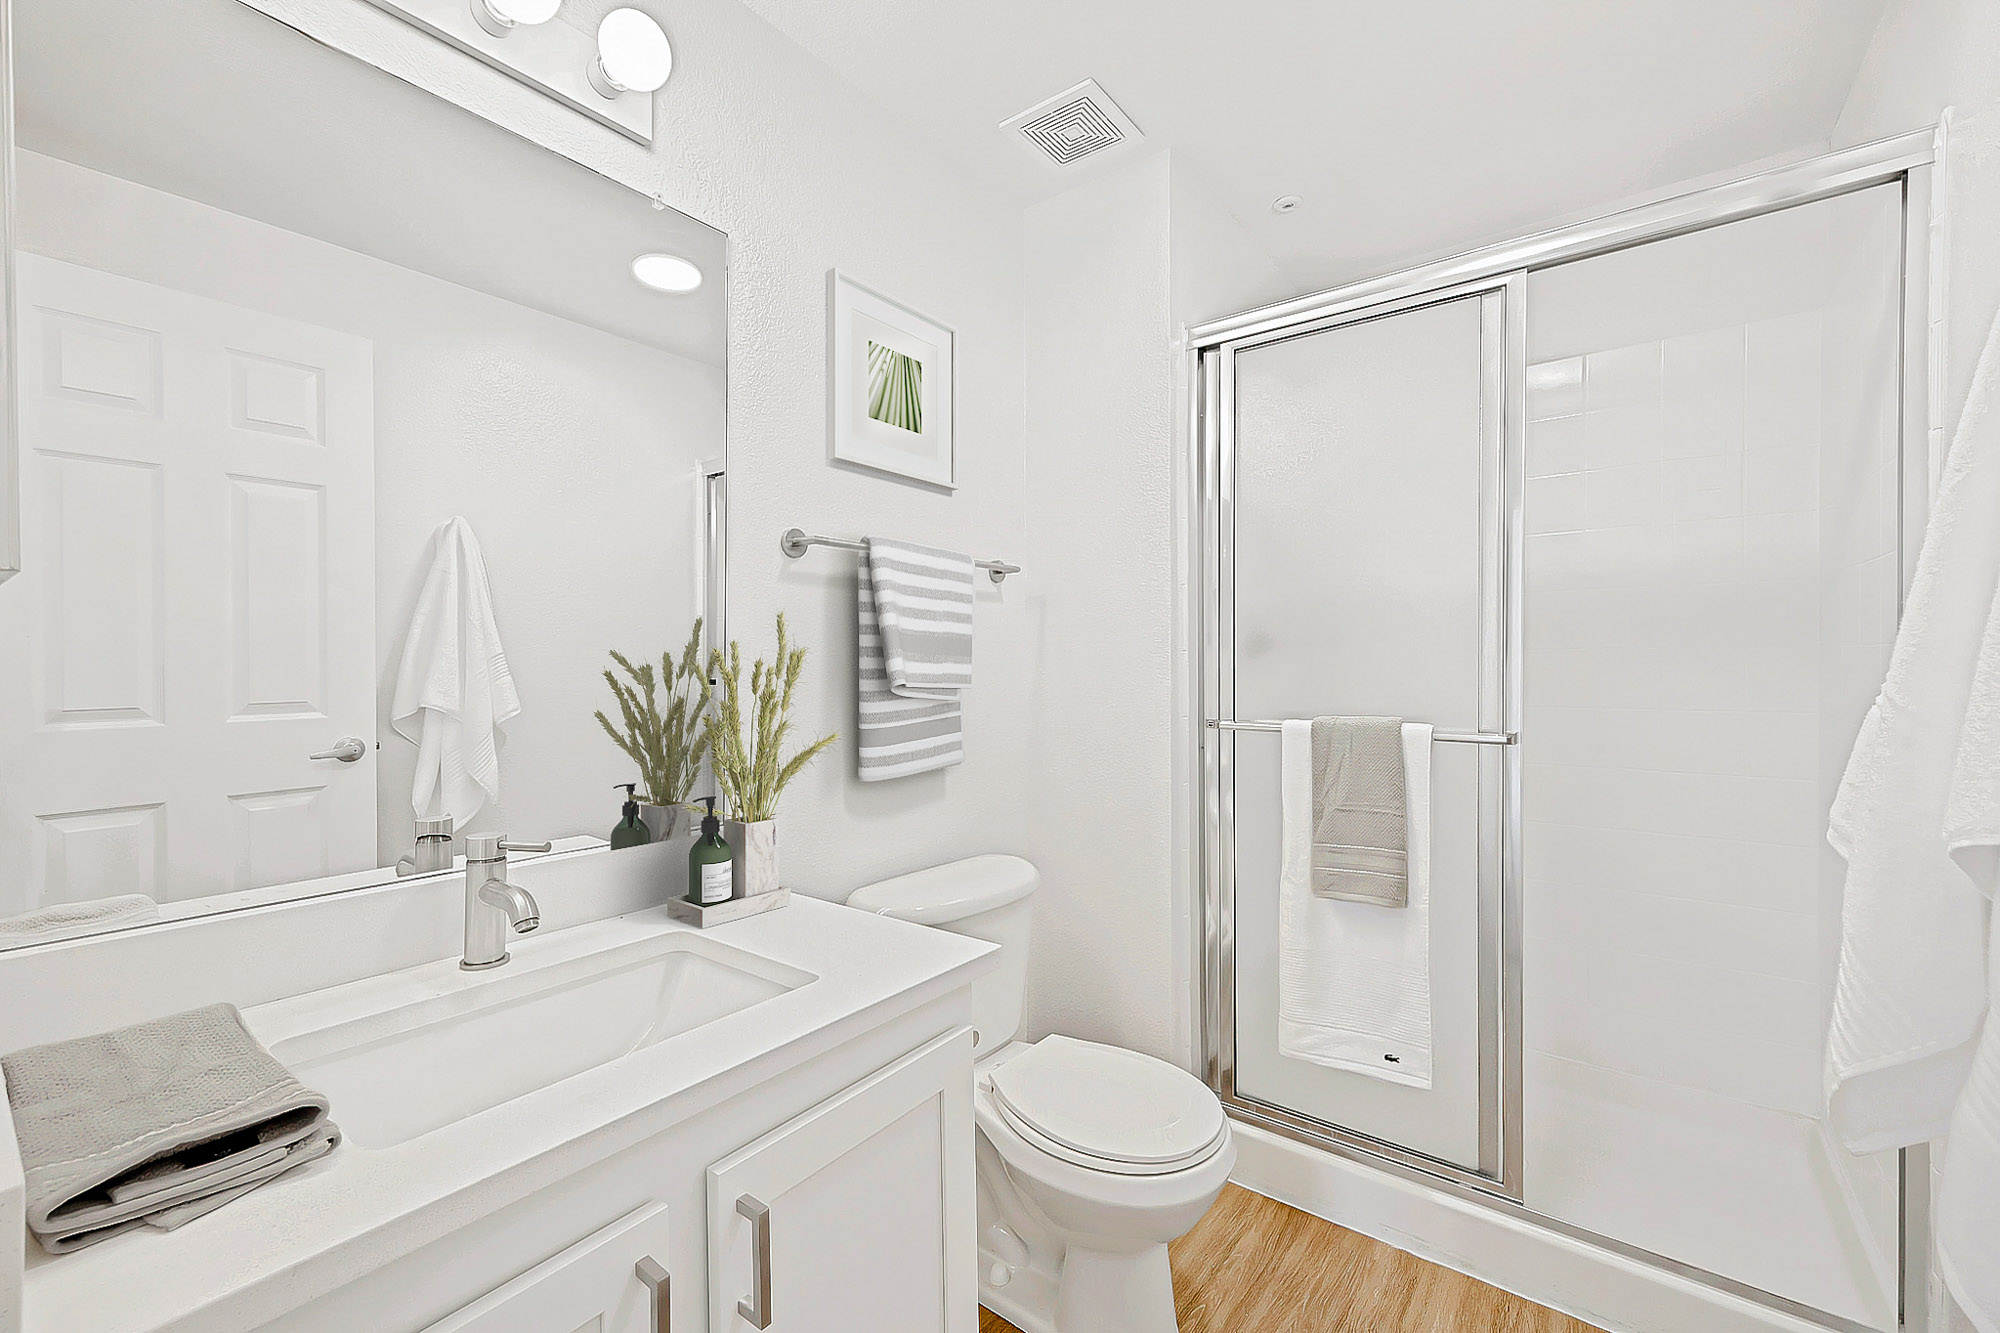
(666, 273)
(500, 17)
(633, 54)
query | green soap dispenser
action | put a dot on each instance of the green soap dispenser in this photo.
(631, 832)
(711, 876)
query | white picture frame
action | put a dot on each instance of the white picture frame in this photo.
(890, 384)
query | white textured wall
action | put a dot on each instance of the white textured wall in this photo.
(482, 408)
(1100, 437)
(1929, 55)
(759, 139)
(1116, 267)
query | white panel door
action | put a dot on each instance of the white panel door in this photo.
(195, 612)
(867, 1205)
(608, 1282)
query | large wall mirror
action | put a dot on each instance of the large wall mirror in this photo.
(300, 349)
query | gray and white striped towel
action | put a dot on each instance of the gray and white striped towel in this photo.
(916, 658)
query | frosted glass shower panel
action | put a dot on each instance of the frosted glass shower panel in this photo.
(1711, 587)
(1359, 457)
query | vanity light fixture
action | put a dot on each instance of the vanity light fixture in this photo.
(633, 55)
(666, 273)
(500, 17)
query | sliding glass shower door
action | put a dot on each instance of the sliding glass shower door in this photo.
(1626, 523)
(1365, 527)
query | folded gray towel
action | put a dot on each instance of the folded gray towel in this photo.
(62, 921)
(1361, 834)
(154, 1124)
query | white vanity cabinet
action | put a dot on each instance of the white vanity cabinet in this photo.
(857, 1216)
(863, 1157)
(610, 1282)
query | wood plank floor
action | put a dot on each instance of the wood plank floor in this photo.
(1254, 1263)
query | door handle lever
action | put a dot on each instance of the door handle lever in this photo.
(347, 749)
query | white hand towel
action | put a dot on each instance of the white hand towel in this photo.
(1913, 1051)
(453, 690)
(1354, 979)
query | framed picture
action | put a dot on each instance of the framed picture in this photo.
(892, 391)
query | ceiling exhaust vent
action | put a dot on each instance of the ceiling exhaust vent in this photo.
(1076, 123)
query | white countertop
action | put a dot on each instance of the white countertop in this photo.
(338, 1219)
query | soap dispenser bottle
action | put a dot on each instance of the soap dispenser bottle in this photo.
(631, 832)
(711, 877)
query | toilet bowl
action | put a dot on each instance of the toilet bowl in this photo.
(1091, 1158)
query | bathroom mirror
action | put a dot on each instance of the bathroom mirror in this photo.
(281, 319)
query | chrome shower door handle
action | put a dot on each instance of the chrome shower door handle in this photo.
(347, 749)
(660, 1289)
(757, 1309)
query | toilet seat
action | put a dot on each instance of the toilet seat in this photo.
(1108, 1109)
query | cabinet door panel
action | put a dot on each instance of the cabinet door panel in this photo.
(871, 1208)
(594, 1286)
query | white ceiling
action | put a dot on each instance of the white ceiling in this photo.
(1413, 128)
(213, 101)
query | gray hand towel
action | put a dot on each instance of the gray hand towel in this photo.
(1361, 834)
(62, 921)
(154, 1124)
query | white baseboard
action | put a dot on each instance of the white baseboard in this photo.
(1593, 1284)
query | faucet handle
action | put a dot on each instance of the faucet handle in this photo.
(434, 826)
(493, 846)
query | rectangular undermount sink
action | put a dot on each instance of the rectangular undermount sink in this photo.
(407, 1069)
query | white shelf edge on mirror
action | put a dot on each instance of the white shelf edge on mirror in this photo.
(552, 58)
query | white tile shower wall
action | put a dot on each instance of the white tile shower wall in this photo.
(1671, 735)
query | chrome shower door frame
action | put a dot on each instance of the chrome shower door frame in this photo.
(1502, 420)
(1911, 160)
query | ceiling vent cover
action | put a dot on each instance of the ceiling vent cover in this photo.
(1076, 123)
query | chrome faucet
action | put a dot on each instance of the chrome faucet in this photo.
(491, 903)
(433, 849)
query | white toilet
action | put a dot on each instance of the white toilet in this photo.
(1091, 1158)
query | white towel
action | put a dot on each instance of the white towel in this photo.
(915, 607)
(62, 921)
(1354, 979)
(1913, 1051)
(453, 690)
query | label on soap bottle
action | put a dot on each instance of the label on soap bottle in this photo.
(716, 883)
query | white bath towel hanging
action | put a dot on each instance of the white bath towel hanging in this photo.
(1913, 1052)
(1354, 978)
(453, 690)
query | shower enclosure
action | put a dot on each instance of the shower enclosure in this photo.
(1624, 511)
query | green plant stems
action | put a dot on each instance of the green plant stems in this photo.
(751, 777)
(667, 744)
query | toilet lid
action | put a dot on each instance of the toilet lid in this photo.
(1109, 1104)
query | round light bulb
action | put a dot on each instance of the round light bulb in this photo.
(633, 54)
(500, 17)
(666, 273)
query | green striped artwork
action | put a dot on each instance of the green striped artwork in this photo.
(895, 388)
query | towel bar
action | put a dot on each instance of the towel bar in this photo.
(795, 541)
(1447, 737)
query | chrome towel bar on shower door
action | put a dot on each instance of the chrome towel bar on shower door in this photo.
(1445, 737)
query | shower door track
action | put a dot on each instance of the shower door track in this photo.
(1909, 160)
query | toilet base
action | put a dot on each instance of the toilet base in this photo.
(1116, 1293)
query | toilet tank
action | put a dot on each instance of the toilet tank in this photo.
(986, 897)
